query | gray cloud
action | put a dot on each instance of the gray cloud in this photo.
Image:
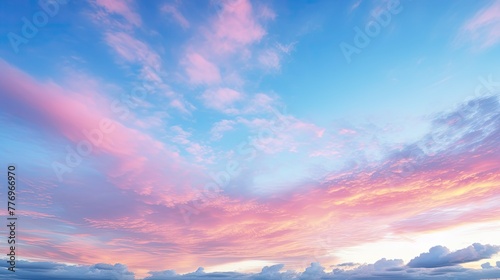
(382, 269)
(440, 256)
(26, 270)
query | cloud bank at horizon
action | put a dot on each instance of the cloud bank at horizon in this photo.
(434, 268)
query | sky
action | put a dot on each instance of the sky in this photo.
(243, 139)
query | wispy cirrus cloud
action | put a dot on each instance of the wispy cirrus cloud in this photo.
(220, 127)
(345, 200)
(272, 57)
(387, 192)
(65, 113)
(222, 99)
(172, 10)
(200, 70)
(122, 9)
(483, 29)
(132, 49)
(301, 186)
(135, 51)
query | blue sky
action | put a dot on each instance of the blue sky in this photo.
(237, 134)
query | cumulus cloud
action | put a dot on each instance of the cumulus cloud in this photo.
(440, 256)
(347, 264)
(271, 271)
(313, 272)
(49, 270)
(382, 269)
(486, 265)
(198, 274)
(384, 264)
(166, 274)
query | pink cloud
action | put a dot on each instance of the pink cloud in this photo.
(469, 211)
(347, 131)
(231, 32)
(270, 59)
(122, 8)
(129, 154)
(200, 152)
(293, 227)
(221, 99)
(259, 103)
(220, 127)
(173, 11)
(283, 228)
(483, 28)
(266, 13)
(235, 26)
(484, 17)
(133, 50)
(280, 133)
(182, 105)
(54, 107)
(200, 70)
(119, 34)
